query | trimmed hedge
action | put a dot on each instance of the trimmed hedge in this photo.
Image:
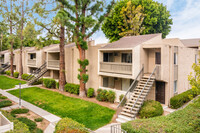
(16, 74)
(67, 125)
(57, 85)
(151, 108)
(90, 92)
(72, 88)
(38, 119)
(104, 95)
(120, 99)
(31, 124)
(3, 97)
(8, 72)
(19, 127)
(182, 98)
(19, 111)
(49, 83)
(5, 103)
(38, 82)
(24, 76)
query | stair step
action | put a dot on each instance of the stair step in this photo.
(147, 87)
(143, 82)
(120, 120)
(127, 114)
(139, 90)
(129, 110)
(133, 101)
(125, 117)
(142, 93)
(130, 107)
(147, 77)
(131, 104)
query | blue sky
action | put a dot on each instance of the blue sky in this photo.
(186, 20)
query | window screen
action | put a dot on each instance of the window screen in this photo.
(158, 58)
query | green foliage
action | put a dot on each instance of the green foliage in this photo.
(67, 125)
(182, 98)
(19, 111)
(25, 76)
(5, 103)
(57, 85)
(8, 83)
(157, 19)
(16, 74)
(72, 88)
(38, 119)
(49, 83)
(90, 92)
(110, 96)
(83, 63)
(8, 72)
(37, 130)
(31, 124)
(120, 99)
(151, 109)
(19, 127)
(38, 82)
(3, 97)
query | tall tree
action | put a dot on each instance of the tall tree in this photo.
(9, 11)
(157, 19)
(85, 18)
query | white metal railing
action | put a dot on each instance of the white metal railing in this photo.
(53, 63)
(117, 129)
(115, 67)
(32, 62)
(5, 124)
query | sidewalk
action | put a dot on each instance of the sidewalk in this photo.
(44, 114)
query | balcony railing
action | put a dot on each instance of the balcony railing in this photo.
(32, 62)
(114, 67)
(53, 63)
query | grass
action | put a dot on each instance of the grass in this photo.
(8, 83)
(186, 120)
(90, 114)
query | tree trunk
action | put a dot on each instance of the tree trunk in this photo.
(62, 59)
(11, 43)
(20, 58)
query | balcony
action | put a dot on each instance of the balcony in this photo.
(32, 62)
(53, 64)
(115, 67)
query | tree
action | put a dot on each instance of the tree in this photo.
(132, 20)
(157, 19)
(85, 18)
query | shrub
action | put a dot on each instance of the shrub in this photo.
(98, 94)
(16, 74)
(49, 83)
(110, 96)
(103, 95)
(25, 76)
(5, 103)
(182, 98)
(19, 111)
(150, 108)
(8, 73)
(37, 130)
(120, 99)
(67, 125)
(3, 97)
(72, 88)
(90, 92)
(57, 85)
(38, 119)
(31, 124)
(38, 82)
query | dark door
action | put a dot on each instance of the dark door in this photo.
(160, 92)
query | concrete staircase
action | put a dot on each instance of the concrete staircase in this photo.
(40, 74)
(139, 94)
(4, 67)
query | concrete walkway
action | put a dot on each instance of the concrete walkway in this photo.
(53, 119)
(106, 128)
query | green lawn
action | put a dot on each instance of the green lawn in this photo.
(90, 114)
(186, 120)
(8, 83)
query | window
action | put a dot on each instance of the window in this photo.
(127, 57)
(32, 56)
(175, 86)
(175, 59)
(108, 57)
(105, 81)
(158, 58)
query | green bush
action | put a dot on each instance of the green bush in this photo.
(67, 125)
(31, 124)
(19, 127)
(98, 94)
(19, 111)
(5, 103)
(16, 74)
(38, 82)
(72, 88)
(38, 119)
(37, 130)
(24, 76)
(90, 92)
(49, 83)
(182, 98)
(8, 73)
(110, 96)
(57, 85)
(3, 97)
(150, 108)
(101, 95)
(120, 99)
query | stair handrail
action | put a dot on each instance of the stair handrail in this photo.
(117, 129)
(36, 71)
(131, 87)
(4, 65)
(143, 88)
